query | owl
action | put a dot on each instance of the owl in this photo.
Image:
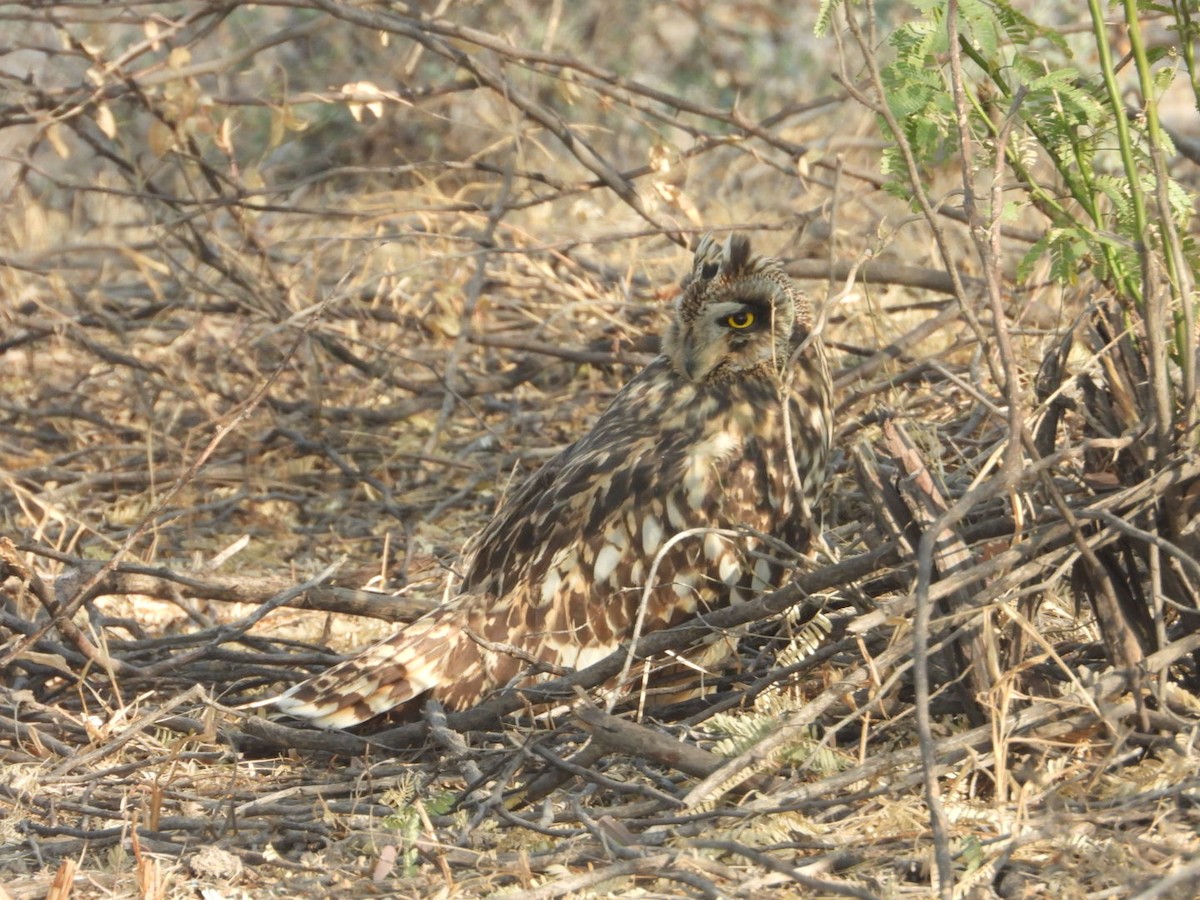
(729, 428)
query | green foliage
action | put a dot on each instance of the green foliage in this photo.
(918, 97)
(805, 639)
(824, 17)
(743, 730)
(1022, 74)
(1066, 248)
(411, 812)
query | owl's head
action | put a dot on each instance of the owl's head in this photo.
(735, 315)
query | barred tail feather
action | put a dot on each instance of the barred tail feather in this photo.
(392, 672)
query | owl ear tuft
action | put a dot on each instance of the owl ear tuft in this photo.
(737, 253)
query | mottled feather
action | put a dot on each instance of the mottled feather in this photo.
(695, 440)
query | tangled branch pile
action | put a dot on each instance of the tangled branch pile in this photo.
(293, 292)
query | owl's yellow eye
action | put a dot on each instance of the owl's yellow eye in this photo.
(741, 320)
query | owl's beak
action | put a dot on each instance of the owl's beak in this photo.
(698, 359)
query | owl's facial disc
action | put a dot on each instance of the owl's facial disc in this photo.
(728, 336)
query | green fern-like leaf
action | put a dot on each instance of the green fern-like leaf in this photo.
(805, 640)
(1065, 247)
(1023, 31)
(743, 730)
(824, 17)
(977, 20)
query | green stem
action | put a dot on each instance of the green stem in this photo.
(1042, 199)
(1083, 194)
(1076, 176)
(1124, 140)
(1187, 37)
(1153, 129)
(1180, 280)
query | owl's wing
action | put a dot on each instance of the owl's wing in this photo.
(631, 456)
(550, 580)
(386, 674)
(631, 521)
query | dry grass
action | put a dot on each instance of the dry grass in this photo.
(270, 354)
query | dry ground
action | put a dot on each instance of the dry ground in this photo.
(286, 307)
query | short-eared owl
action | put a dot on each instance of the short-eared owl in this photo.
(698, 440)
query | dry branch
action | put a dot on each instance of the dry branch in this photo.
(488, 223)
(166, 583)
(976, 650)
(615, 735)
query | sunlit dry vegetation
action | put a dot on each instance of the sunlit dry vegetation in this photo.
(292, 293)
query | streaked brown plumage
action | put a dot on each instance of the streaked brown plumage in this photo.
(695, 440)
